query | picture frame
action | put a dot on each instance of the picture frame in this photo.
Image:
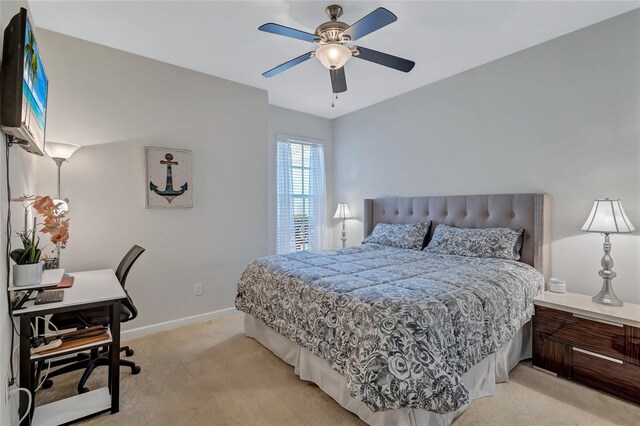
(168, 178)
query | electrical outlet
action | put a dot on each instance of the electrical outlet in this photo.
(198, 289)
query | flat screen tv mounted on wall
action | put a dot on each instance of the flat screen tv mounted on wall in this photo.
(23, 85)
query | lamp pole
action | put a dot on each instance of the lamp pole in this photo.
(58, 162)
(59, 153)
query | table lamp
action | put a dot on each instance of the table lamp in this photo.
(607, 217)
(342, 212)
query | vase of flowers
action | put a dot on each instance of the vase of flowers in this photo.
(28, 268)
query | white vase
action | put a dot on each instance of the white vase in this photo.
(27, 274)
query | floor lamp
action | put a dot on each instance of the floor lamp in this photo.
(59, 153)
(343, 212)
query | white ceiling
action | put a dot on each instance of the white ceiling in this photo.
(221, 38)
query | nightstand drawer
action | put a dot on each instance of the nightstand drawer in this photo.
(594, 345)
(609, 375)
(601, 337)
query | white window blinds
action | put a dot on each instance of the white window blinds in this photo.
(301, 215)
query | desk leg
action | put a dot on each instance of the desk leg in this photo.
(26, 376)
(114, 367)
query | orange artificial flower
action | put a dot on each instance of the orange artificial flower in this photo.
(53, 223)
(61, 235)
(50, 225)
(44, 205)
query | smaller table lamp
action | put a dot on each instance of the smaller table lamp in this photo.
(607, 217)
(342, 212)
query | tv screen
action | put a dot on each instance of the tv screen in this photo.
(24, 85)
(34, 88)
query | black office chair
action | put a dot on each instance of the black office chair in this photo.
(92, 317)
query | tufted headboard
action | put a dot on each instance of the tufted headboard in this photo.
(528, 211)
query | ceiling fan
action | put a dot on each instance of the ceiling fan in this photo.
(335, 44)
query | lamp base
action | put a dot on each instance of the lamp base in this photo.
(607, 296)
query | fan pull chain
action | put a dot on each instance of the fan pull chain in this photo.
(333, 105)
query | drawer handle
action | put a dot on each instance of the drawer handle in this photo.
(608, 358)
(598, 320)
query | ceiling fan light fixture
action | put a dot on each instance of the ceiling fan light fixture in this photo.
(333, 55)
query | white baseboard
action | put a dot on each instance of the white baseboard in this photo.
(180, 322)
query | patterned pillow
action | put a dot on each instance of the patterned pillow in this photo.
(499, 243)
(406, 236)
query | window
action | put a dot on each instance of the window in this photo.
(301, 204)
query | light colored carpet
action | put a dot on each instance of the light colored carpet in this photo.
(212, 374)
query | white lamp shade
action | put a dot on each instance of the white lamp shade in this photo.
(608, 216)
(333, 56)
(60, 150)
(342, 212)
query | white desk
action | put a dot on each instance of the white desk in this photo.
(90, 289)
(50, 278)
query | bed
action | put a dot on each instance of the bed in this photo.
(402, 336)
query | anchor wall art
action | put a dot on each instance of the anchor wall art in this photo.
(168, 178)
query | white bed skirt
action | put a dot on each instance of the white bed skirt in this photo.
(480, 380)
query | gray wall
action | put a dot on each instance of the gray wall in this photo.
(125, 102)
(22, 178)
(119, 103)
(561, 118)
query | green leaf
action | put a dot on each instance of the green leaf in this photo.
(24, 260)
(16, 255)
(29, 256)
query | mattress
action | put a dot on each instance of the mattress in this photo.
(401, 326)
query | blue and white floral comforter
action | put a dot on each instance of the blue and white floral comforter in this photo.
(401, 326)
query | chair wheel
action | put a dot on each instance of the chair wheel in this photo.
(47, 384)
(129, 352)
(83, 390)
(136, 369)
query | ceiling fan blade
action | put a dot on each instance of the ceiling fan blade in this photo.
(338, 80)
(287, 32)
(385, 59)
(377, 19)
(283, 67)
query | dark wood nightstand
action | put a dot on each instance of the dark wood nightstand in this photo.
(593, 344)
